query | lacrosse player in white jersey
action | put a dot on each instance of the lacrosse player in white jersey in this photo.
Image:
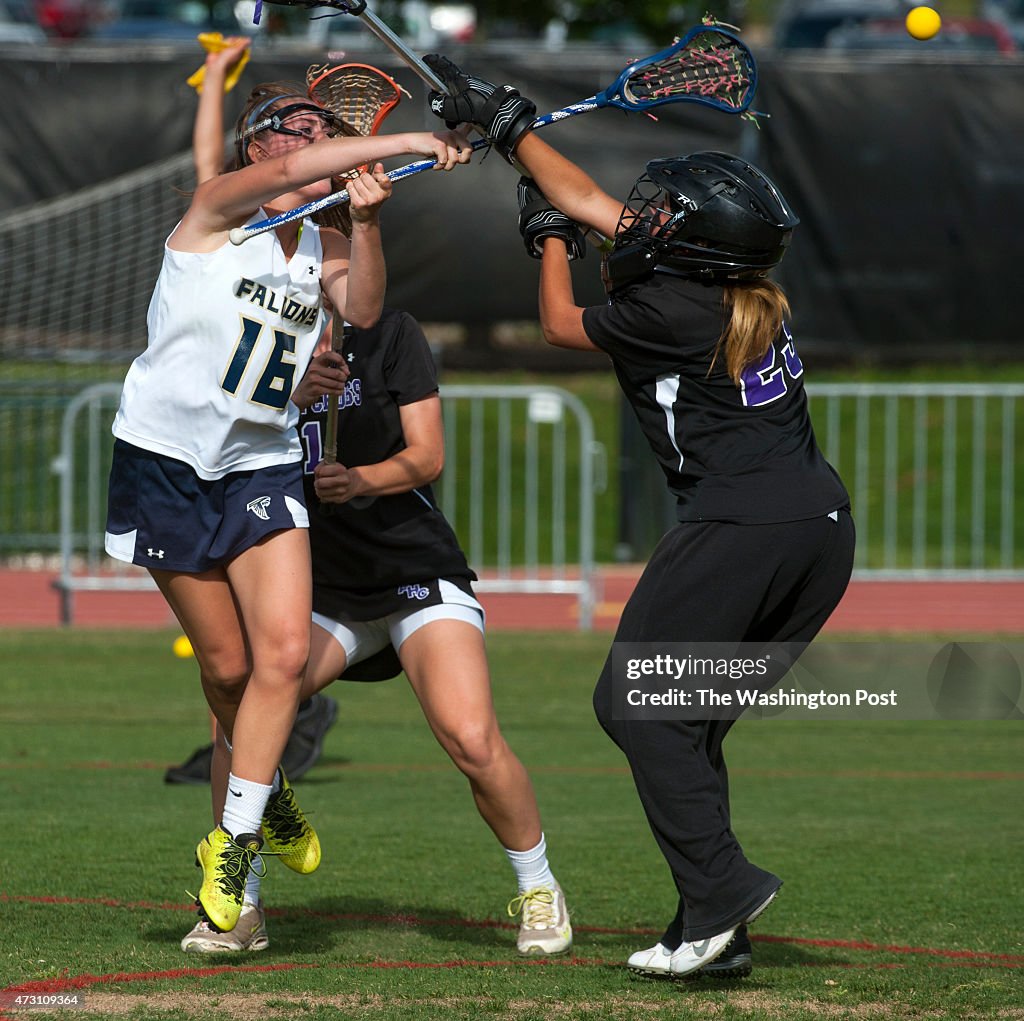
(206, 484)
(217, 76)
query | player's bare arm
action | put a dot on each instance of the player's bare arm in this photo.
(367, 274)
(208, 128)
(284, 179)
(418, 464)
(567, 187)
(561, 319)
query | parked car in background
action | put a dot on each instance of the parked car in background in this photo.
(67, 19)
(1009, 13)
(18, 23)
(807, 24)
(423, 25)
(435, 24)
(164, 19)
(958, 35)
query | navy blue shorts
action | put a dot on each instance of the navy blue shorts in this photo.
(161, 514)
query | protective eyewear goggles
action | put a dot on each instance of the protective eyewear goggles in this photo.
(277, 120)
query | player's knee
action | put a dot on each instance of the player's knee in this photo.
(474, 749)
(224, 678)
(283, 660)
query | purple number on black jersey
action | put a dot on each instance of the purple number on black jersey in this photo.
(310, 433)
(769, 379)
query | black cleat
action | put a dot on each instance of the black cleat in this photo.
(315, 717)
(735, 961)
(195, 770)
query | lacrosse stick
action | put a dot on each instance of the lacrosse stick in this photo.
(362, 96)
(374, 24)
(357, 93)
(340, 334)
(708, 65)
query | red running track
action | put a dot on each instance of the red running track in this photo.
(28, 599)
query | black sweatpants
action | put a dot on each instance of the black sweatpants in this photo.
(717, 582)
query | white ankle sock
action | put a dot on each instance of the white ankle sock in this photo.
(531, 867)
(244, 805)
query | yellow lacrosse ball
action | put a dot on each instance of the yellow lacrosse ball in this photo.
(182, 647)
(923, 22)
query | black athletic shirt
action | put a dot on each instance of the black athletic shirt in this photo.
(740, 454)
(361, 554)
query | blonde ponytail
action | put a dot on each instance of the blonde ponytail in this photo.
(757, 309)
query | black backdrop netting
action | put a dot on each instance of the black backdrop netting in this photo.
(908, 180)
(454, 253)
(906, 175)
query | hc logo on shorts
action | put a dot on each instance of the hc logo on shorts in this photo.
(414, 591)
(259, 507)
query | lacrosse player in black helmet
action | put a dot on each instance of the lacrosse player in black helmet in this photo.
(701, 343)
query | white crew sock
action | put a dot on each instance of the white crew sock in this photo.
(531, 867)
(251, 894)
(243, 805)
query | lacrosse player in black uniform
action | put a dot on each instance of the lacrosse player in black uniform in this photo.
(392, 589)
(701, 344)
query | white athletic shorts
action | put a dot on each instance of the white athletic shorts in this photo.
(364, 638)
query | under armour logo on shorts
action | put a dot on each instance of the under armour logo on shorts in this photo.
(259, 507)
(157, 553)
(414, 591)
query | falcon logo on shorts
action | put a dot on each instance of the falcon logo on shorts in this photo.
(414, 591)
(259, 507)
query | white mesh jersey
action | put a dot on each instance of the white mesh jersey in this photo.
(230, 335)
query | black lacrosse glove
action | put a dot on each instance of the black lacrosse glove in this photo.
(498, 111)
(538, 219)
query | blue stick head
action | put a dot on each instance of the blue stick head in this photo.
(708, 65)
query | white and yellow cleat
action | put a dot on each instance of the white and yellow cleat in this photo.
(544, 927)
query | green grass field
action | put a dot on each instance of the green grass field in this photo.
(899, 843)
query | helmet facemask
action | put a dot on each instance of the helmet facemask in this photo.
(706, 216)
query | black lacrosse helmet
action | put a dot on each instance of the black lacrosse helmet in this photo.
(707, 215)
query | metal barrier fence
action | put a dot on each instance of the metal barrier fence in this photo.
(518, 489)
(935, 473)
(86, 446)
